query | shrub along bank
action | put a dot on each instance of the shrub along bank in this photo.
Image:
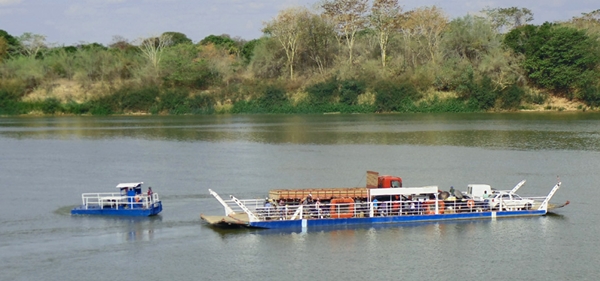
(333, 95)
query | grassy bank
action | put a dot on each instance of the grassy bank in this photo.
(273, 99)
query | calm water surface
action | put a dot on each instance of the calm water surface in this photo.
(46, 163)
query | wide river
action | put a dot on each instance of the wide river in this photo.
(46, 163)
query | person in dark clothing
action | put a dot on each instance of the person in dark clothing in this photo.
(150, 194)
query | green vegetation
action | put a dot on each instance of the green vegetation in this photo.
(383, 60)
(559, 58)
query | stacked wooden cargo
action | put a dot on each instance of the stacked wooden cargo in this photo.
(326, 194)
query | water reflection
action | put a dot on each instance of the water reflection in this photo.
(131, 229)
(495, 131)
(141, 230)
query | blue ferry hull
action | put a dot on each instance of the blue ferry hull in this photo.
(308, 223)
(108, 211)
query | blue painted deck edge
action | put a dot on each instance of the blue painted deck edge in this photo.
(134, 212)
(277, 224)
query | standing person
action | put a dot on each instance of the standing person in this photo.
(150, 194)
(452, 190)
(486, 200)
(375, 206)
(268, 206)
(281, 206)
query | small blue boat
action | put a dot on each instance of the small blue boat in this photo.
(130, 201)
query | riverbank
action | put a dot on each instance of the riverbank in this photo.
(554, 104)
(69, 98)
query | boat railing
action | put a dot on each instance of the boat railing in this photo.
(118, 201)
(289, 210)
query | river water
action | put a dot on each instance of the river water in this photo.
(46, 163)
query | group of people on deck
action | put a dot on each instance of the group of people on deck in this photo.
(312, 206)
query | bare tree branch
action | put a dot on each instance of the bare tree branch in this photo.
(349, 17)
(152, 48)
(31, 44)
(385, 19)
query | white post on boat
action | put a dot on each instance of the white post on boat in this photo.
(544, 205)
(297, 213)
(521, 183)
(251, 215)
(228, 210)
(437, 201)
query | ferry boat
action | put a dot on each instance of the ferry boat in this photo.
(129, 201)
(380, 202)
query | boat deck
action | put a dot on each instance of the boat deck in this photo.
(232, 220)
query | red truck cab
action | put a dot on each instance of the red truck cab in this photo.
(374, 180)
(389, 182)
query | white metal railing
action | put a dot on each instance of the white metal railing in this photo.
(294, 210)
(118, 201)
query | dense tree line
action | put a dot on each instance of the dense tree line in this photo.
(347, 56)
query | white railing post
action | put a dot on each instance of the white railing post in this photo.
(251, 216)
(298, 212)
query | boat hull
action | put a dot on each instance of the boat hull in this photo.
(337, 222)
(108, 211)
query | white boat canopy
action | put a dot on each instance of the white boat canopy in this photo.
(403, 191)
(130, 185)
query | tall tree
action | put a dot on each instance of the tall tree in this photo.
(588, 21)
(3, 48)
(471, 38)
(385, 18)
(319, 38)
(121, 43)
(247, 51)
(12, 43)
(286, 29)
(558, 58)
(349, 17)
(425, 26)
(221, 41)
(32, 44)
(178, 38)
(152, 48)
(506, 19)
